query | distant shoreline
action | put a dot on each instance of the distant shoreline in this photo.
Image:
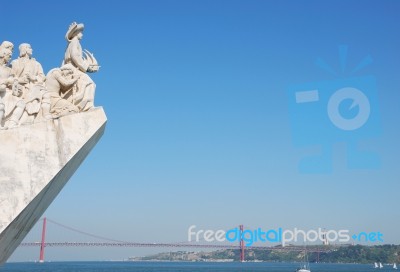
(349, 254)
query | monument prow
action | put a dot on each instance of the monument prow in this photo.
(36, 161)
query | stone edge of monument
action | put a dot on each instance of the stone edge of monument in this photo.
(16, 231)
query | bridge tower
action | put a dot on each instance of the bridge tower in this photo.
(241, 244)
(43, 243)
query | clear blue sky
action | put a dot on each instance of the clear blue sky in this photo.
(199, 126)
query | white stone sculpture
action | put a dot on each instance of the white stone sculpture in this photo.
(83, 97)
(71, 89)
(30, 76)
(38, 158)
(59, 83)
(11, 104)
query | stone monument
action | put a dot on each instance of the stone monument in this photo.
(48, 125)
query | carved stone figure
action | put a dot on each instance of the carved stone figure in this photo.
(11, 104)
(60, 83)
(30, 75)
(83, 98)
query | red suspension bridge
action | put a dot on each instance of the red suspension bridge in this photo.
(115, 243)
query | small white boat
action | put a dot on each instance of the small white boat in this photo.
(304, 269)
(394, 266)
(380, 265)
(376, 265)
(306, 265)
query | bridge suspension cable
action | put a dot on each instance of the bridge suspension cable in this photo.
(84, 232)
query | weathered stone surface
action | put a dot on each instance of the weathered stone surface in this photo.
(36, 161)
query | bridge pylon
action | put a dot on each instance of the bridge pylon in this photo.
(241, 244)
(43, 243)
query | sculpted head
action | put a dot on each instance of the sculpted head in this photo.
(17, 90)
(25, 49)
(7, 45)
(74, 30)
(5, 55)
(67, 69)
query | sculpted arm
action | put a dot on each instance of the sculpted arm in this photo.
(77, 58)
(40, 77)
(17, 71)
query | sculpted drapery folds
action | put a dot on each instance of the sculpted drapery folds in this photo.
(28, 96)
(11, 104)
(30, 76)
